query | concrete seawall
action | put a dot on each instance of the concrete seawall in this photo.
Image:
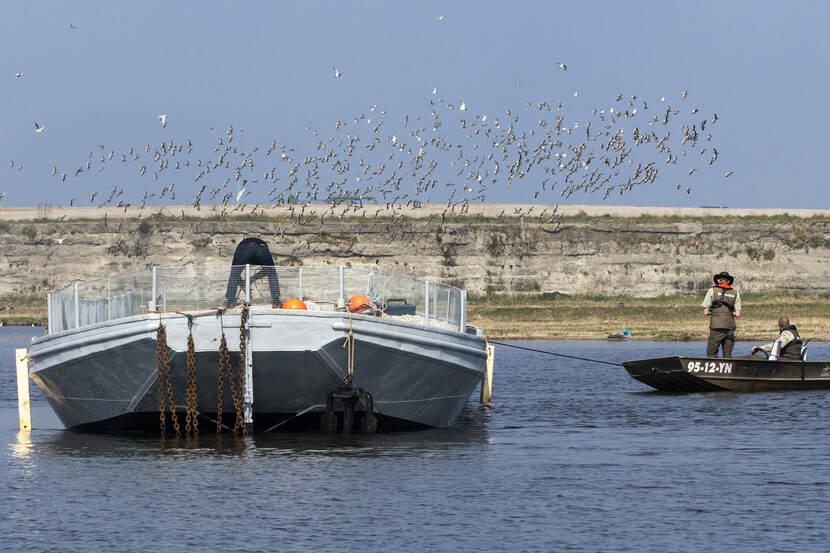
(603, 250)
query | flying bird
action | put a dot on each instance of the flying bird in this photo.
(163, 118)
(728, 173)
(337, 73)
(562, 65)
(38, 128)
(18, 75)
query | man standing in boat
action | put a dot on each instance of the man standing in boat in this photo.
(723, 304)
(789, 340)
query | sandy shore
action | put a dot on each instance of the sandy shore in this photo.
(485, 210)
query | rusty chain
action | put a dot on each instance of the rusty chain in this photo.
(224, 361)
(164, 375)
(192, 410)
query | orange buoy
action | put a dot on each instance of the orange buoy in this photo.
(294, 303)
(359, 304)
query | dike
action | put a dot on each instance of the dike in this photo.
(492, 249)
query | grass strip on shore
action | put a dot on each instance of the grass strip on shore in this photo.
(676, 318)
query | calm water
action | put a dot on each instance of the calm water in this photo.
(571, 456)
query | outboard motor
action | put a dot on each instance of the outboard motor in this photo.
(252, 251)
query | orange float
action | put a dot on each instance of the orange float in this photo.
(359, 304)
(294, 303)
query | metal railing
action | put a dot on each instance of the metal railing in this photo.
(199, 288)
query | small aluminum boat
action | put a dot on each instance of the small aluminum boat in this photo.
(737, 374)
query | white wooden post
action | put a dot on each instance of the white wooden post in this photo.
(164, 296)
(487, 379)
(23, 404)
(300, 278)
(48, 313)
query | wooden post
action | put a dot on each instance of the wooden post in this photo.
(23, 405)
(487, 380)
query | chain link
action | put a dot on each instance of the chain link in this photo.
(190, 394)
(164, 374)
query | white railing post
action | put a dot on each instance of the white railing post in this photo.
(151, 306)
(164, 296)
(109, 300)
(247, 283)
(426, 303)
(341, 301)
(48, 313)
(77, 309)
(300, 278)
(463, 314)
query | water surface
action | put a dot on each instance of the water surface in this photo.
(571, 456)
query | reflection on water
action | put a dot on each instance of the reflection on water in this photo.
(470, 430)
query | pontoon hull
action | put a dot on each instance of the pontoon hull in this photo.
(105, 376)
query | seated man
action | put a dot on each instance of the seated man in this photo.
(789, 340)
(252, 251)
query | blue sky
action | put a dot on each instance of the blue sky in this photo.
(267, 67)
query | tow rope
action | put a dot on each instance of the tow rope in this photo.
(557, 354)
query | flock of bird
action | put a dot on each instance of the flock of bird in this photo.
(445, 154)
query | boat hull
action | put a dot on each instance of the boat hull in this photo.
(739, 374)
(105, 376)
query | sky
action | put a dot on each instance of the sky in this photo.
(98, 74)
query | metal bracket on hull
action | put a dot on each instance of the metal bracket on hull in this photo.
(349, 397)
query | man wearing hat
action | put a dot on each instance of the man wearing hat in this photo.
(723, 303)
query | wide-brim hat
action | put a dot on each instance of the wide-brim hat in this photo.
(729, 278)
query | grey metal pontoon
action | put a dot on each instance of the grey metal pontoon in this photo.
(99, 370)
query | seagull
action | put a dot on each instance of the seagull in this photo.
(435, 90)
(439, 18)
(562, 65)
(71, 26)
(18, 75)
(60, 240)
(462, 107)
(163, 118)
(38, 128)
(729, 173)
(337, 73)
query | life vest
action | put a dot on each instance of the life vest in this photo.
(793, 349)
(723, 305)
